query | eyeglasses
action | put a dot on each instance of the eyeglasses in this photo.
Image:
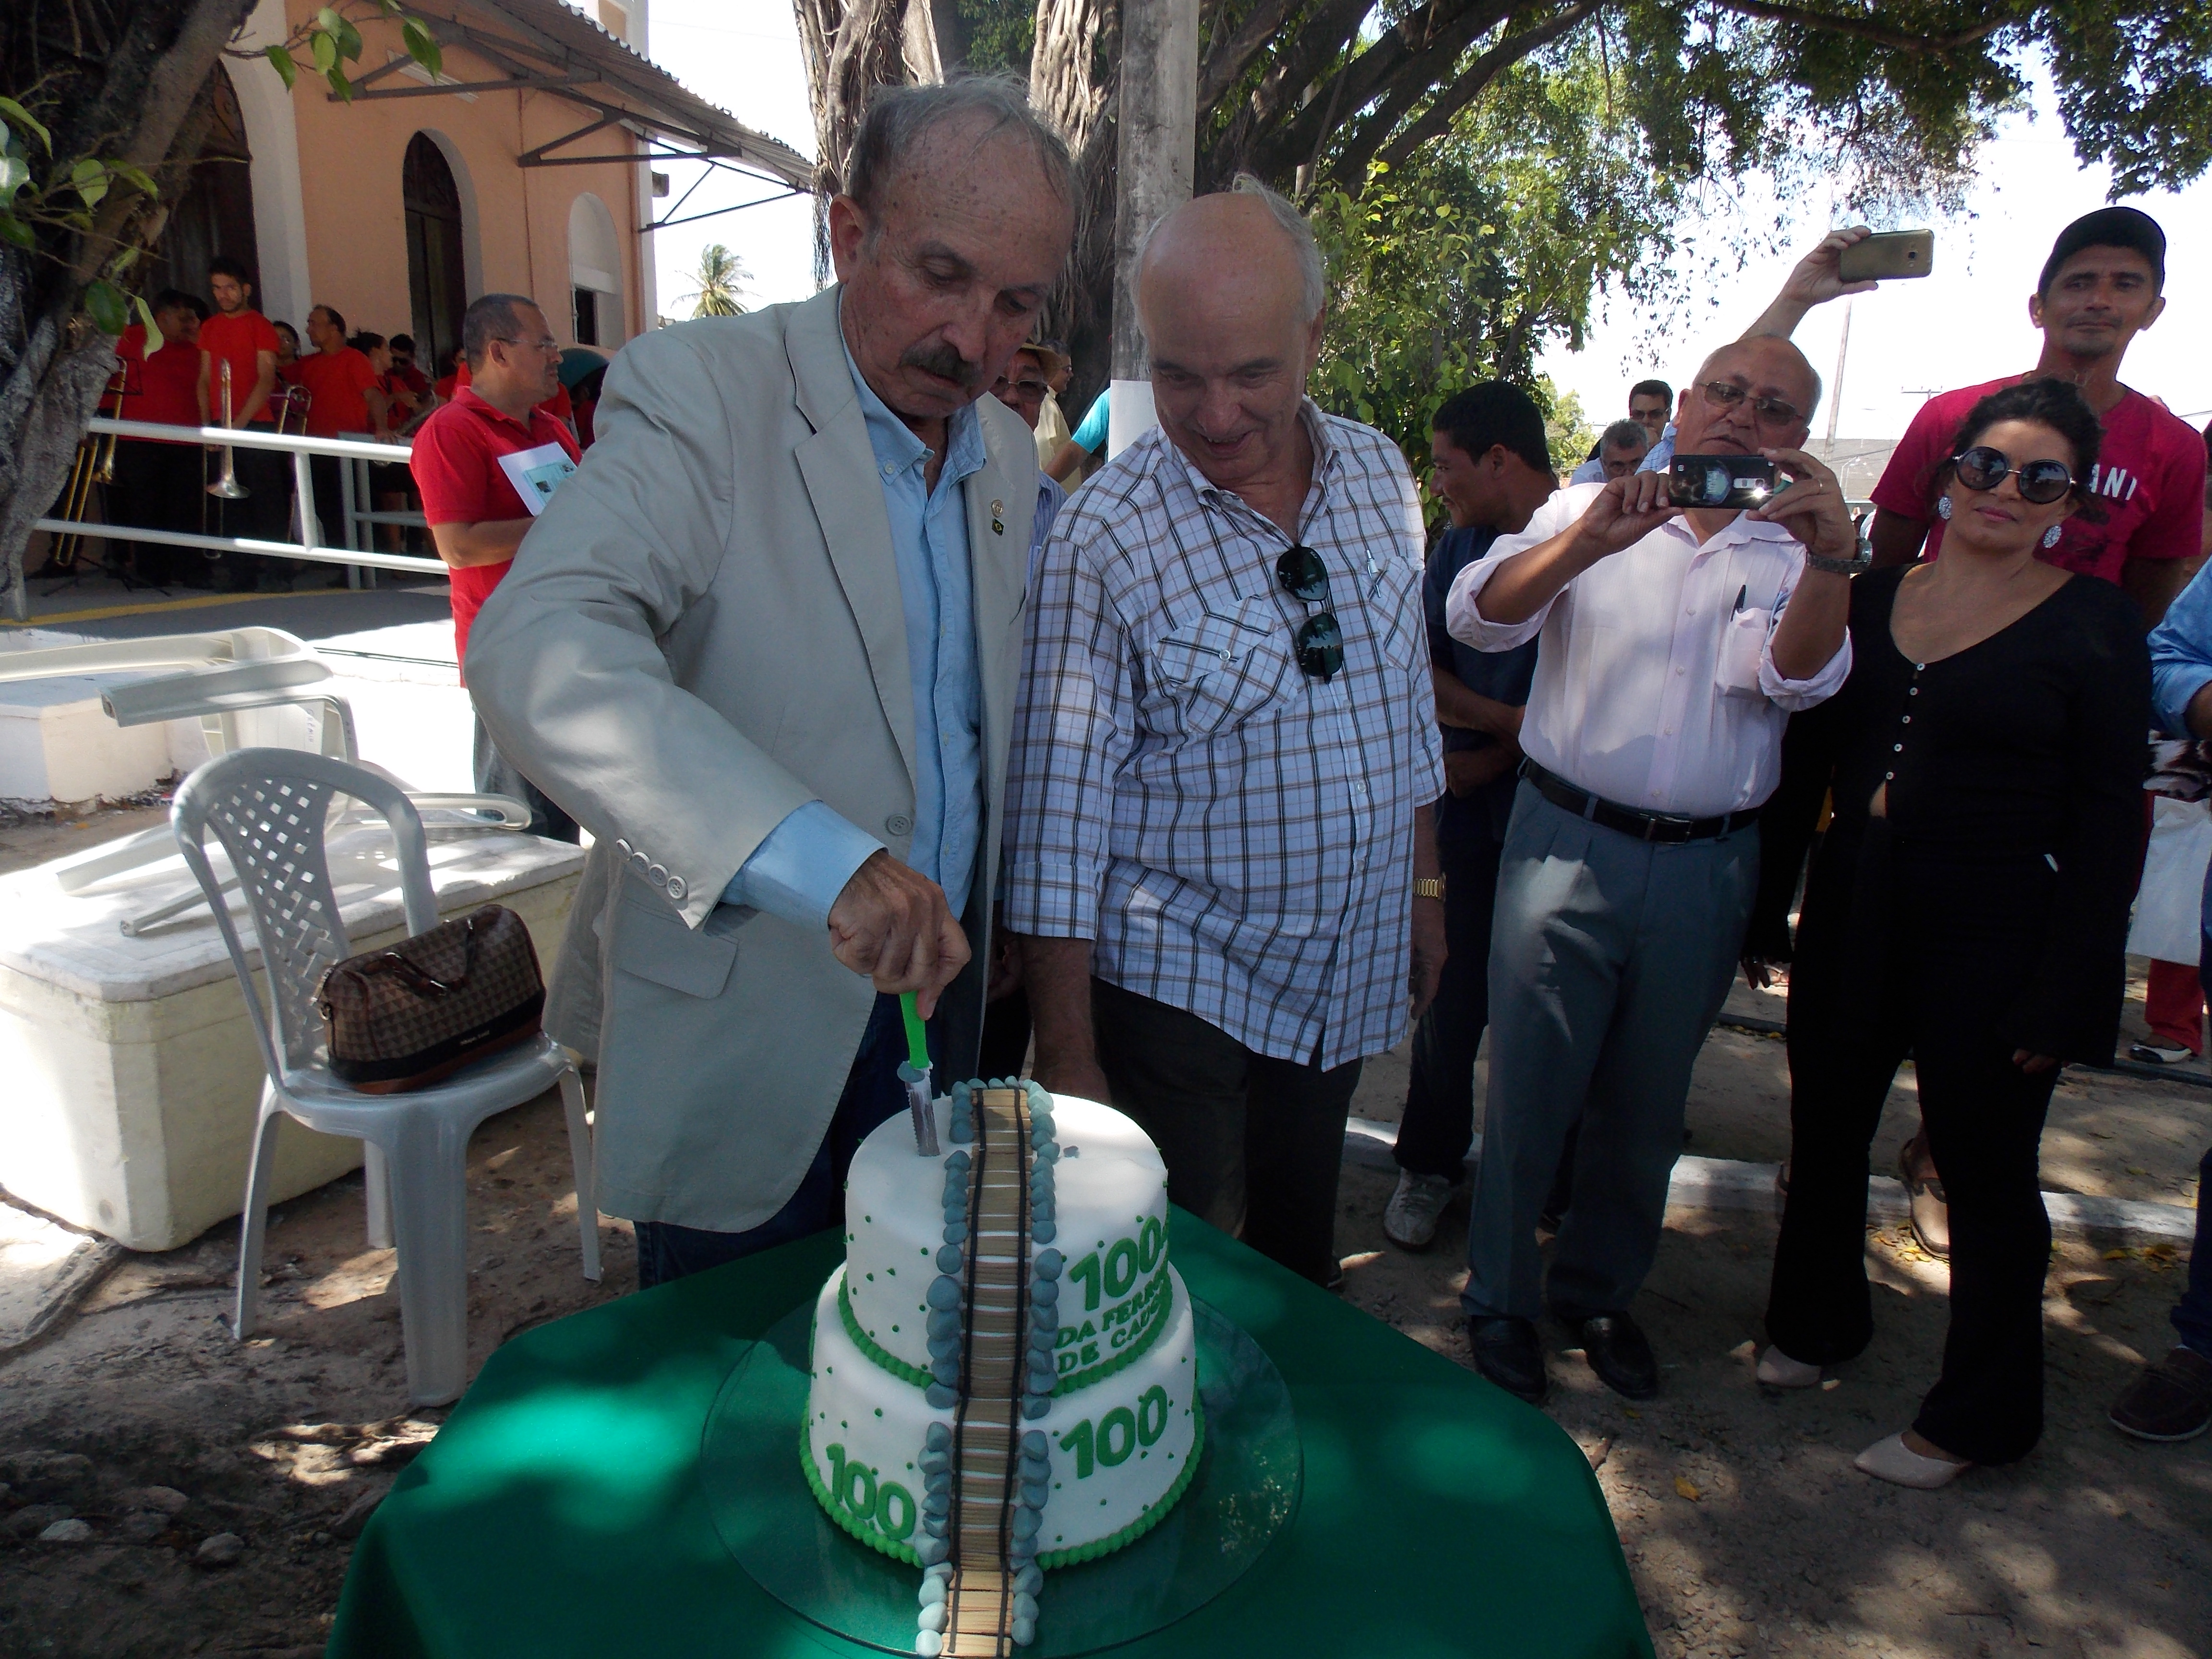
(1772, 411)
(1319, 643)
(545, 343)
(2040, 482)
(1020, 389)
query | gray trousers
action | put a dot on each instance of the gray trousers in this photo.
(1609, 960)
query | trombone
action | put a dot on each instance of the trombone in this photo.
(227, 486)
(94, 464)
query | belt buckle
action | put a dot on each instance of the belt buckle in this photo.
(1668, 828)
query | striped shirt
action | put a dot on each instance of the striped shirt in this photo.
(1236, 836)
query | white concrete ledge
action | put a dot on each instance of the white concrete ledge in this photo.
(1722, 1183)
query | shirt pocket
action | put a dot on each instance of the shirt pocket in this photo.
(1220, 664)
(1743, 642)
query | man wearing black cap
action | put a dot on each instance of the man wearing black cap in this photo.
(2099, 289)
(1492, 470)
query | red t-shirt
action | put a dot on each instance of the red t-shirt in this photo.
(235, 338)
(458, 469)
(336, 381)
(163, 387)
(2148, 481)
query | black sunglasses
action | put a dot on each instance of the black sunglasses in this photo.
(1984, 468)
(1319, 642)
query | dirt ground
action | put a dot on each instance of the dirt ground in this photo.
(1746, 1529)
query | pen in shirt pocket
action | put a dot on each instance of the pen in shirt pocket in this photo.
(1742, 594)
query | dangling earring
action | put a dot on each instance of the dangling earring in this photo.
(2051, 536)
(1943, 507)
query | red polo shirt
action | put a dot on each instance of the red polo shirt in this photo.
(458, 469)
(336, 381)
(163, 387)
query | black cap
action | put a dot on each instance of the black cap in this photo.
(2110, 226)
(1493, 413)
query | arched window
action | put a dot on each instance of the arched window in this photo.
(437, 288)
(594, 273)
(214, 213)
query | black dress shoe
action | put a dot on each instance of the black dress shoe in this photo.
(1506, 1352)
(1620, 1355)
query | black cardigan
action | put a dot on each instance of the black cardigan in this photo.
(2029, 745)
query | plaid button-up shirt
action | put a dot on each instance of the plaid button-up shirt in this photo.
(1235, 836)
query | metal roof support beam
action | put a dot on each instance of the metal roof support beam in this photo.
(609, 116)
(520, 83)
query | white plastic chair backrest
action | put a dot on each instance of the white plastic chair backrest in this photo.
(269, 808)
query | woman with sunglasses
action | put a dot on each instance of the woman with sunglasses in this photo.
(1986, 758)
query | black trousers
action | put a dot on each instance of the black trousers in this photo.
(1252, 1144)
(159, 487)
(1005, 1036)
(1438, 1126)
(1878, 975)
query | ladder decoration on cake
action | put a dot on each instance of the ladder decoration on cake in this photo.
(984, 1476)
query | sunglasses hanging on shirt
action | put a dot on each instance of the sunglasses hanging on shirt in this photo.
(1319, 642)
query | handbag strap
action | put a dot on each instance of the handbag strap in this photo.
(391, 962)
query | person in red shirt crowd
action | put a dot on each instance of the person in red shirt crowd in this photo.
(159, 485)
(486, 464)
(408, 386)
(2102, 285)
(345, 401)
(241, 337)
(560, 406)
(287, 353)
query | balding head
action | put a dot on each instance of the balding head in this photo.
(1766, 368)
(1228, 289)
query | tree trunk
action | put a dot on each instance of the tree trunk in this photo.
(1075, 84)
(139, 72)
(850, 49)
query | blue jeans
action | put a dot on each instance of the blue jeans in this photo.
(873, 1095)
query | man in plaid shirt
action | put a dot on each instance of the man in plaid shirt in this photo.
(1219, 857)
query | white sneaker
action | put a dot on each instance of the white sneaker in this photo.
(1410, 1219)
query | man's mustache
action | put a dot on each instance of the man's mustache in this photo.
(944, 360)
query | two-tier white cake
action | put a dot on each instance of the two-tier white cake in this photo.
(1045, 1241)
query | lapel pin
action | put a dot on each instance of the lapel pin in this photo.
(997, 518)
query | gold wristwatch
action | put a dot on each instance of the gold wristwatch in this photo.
(1429, 887)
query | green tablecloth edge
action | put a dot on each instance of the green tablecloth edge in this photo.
(1493, 1581)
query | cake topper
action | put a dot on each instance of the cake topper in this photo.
(913, 1071)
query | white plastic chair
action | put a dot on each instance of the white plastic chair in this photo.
(269, 809)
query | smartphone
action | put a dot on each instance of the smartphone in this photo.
(1888, 254)
(1711, 481)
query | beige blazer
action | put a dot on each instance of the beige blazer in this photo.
(702, 634)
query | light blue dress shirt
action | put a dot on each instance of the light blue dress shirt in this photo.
(798, 872)
(2181, 655)
(1661, 455)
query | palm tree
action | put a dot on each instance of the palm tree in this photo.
(721, 277)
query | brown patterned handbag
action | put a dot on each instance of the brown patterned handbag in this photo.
(404, 1017)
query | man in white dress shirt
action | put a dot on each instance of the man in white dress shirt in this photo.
(1675, 645)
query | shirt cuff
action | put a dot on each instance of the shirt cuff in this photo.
(1796, 696)
(1470, 627)
(798, 870)
(2172, 689)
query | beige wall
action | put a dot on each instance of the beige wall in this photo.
(515, 218)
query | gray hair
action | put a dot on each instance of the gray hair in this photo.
(899, 118)
(1313, 276)
(1625, 434)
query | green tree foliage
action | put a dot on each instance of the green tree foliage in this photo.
(720, 279)
(1485, 247)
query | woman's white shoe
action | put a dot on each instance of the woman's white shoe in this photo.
(1777, 1370)
(1893, 1460)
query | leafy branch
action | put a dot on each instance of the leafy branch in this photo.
(72, 191)
(330, 41)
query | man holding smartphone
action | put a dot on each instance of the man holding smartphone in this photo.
(1675, 642)
(2101, 287)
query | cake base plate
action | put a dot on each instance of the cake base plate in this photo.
(1245, 1491)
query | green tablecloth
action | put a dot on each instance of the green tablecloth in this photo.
(559, 1511)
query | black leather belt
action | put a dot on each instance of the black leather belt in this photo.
(1644, 826)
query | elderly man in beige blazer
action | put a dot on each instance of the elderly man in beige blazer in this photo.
(765, 647)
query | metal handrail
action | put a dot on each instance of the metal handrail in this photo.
(299, 448)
